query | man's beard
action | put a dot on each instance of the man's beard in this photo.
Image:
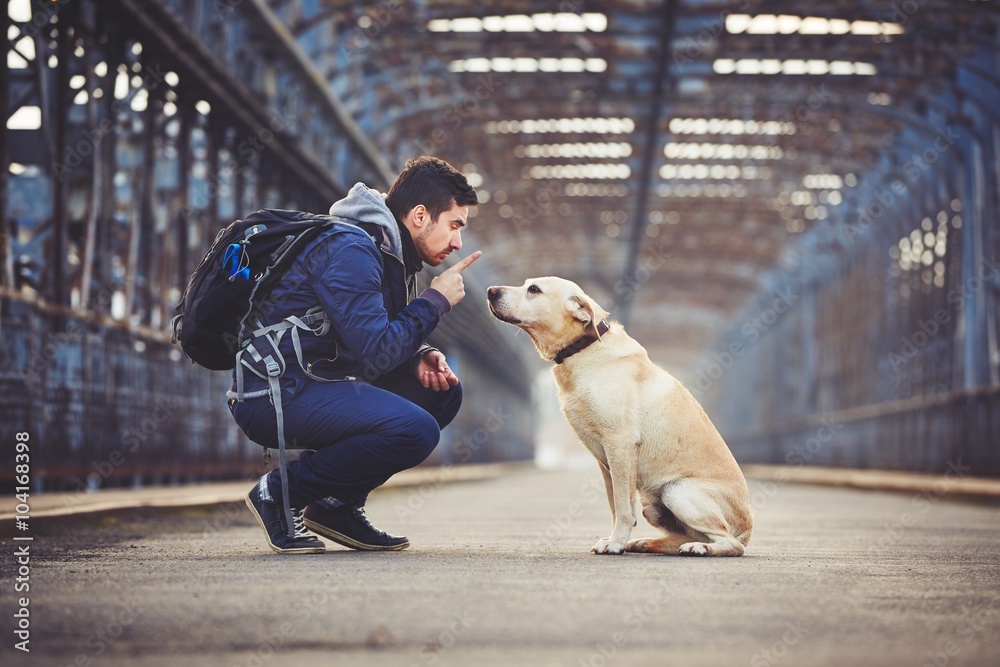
(427, 254)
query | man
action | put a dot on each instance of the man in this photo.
(369, 397)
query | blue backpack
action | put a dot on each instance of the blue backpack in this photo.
(218, 323)
(243, 265)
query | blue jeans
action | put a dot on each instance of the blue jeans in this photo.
(362, 434)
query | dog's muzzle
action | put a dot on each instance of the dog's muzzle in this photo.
(494, 296)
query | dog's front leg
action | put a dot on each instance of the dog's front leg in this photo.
(608, 485)
(622, 459)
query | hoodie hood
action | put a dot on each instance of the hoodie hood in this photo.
(364, 204)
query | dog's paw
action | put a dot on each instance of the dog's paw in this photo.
(637, 545)
(607, 546)
(695, 549)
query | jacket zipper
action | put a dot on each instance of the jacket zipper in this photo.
(410, 293)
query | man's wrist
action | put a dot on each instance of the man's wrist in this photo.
(423, 352)
(439, 300)
(419, 356)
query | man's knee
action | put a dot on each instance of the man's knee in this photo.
(421, 436)
(449, 406)
(455, 394)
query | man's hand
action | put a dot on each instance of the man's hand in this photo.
(433, 372)
(450, 283)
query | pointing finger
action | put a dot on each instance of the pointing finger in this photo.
(467, 262)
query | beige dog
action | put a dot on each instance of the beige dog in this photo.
(646, 430)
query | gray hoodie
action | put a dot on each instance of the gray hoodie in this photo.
(364, 204)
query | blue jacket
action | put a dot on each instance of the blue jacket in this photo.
(357, 275)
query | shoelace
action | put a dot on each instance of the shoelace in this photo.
(360, 514)
(299, 525)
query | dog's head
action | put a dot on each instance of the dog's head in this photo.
(554, 312)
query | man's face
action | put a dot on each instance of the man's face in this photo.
(438, 238)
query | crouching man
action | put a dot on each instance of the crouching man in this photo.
(397, 393)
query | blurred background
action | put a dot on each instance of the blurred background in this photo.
(792, 205)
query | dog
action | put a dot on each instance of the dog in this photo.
(650, 436)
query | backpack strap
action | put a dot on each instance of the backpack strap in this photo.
(274, 384)
(270, 365)
(274, 367)
(315, 321)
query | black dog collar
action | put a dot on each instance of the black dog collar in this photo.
(582, 343)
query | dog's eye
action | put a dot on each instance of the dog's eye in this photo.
(534, 289)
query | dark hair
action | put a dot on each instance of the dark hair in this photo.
(432, 182)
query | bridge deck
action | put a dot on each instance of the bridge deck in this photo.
(499, 573)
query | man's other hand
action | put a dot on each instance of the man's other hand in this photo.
(434, 373)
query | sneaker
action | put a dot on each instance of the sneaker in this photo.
(271, 517)
(349, 526)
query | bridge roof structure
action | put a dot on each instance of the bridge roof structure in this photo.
(676, 158)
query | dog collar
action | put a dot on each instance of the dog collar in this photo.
(581, 343)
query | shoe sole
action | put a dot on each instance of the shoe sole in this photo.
(275, 548)
(346, 541)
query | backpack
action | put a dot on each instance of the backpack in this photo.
(242, 266)
(217, 324)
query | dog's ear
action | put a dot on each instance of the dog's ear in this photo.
(584, 310)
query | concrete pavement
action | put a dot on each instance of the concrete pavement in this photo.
(499, 573)
(953, 482)
(87, 501)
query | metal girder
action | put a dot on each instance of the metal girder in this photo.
(716, 251)
(200, 64)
